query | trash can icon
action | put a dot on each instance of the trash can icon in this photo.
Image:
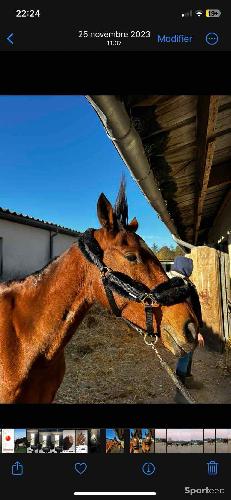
(212, 468)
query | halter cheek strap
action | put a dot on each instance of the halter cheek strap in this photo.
(171, 292)
(117, 312)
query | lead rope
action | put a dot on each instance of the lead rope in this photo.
(164, 364)
(174, 378)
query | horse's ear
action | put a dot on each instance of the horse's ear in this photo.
(133, 225)
(105, 213)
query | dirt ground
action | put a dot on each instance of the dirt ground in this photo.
(107, 362)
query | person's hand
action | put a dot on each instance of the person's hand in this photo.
(200, 340)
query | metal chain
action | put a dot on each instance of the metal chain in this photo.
(164, 364)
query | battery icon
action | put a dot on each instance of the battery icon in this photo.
(212, 13)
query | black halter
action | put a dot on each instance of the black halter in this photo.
(168, 293)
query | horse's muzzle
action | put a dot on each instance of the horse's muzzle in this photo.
(178, 348)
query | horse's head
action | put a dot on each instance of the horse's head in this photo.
(126, 252)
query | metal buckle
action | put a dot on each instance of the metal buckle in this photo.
(144, 299)
(106, 270)
(151, 342)
(151, 301)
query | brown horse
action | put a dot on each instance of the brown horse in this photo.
(40, 313)
(135, 441)
(135, 445)
(113, 443)
(147, 442)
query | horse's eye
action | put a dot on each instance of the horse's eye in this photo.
(131, 257)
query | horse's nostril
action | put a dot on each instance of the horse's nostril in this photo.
(190, 331)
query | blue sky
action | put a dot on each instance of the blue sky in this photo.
(19, 433)
(110, 434)
(56, 159)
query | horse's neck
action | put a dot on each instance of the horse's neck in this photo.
(59, 299)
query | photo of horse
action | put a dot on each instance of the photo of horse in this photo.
(135, 440)
(104, 295)
(114, 440)
(148, 440)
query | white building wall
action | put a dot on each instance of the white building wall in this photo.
(26, 249)
(61, 242)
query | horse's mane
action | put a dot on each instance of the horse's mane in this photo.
(121, 204)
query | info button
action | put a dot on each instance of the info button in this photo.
(148, 468)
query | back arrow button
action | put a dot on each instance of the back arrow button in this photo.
(9, 38)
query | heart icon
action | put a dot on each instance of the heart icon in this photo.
(80, 467)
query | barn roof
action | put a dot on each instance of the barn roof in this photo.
(187, 140)
(178, 148)
(7, 214)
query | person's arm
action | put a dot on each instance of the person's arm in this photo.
(196, 304)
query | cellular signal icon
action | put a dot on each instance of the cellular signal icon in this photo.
(187, 14)
(199, 13)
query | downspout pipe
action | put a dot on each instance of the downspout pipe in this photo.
(182, 243)
(127, 141)
(52, 236)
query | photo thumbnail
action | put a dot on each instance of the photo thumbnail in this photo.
(223, 440)
(135, 440)
(81, 441)
(148, 440)
(20, 441)
(45, 445)
(161, 440)
(32, 440)
(7, 440)
(184, 440)
(69, 441)
(94, 441)
(57, 441)
(114, 440)
(209, 440)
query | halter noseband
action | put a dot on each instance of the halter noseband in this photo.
(168, 293)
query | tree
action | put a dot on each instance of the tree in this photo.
(179, 251)
(167, 253)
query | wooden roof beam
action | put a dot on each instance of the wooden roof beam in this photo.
(206, 122)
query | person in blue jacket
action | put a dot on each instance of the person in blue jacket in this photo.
(183, 267)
